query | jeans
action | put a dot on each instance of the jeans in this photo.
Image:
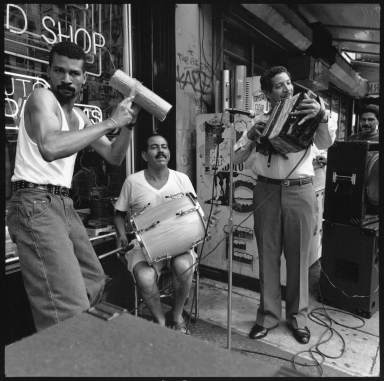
(61, 272)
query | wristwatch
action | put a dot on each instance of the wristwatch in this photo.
(324, 118)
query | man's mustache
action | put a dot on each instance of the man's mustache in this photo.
(287, 95)
(66, 87)
(160, 154)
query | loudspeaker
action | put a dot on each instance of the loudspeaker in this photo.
(347, 177)
(350, 267)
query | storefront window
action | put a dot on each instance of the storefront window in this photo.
(339, 107)
(30, 30)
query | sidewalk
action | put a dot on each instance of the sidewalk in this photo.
(361, 353)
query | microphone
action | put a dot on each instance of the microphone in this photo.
(248, 113)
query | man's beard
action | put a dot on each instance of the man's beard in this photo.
(65, 97)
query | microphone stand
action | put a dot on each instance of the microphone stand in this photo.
(230, 224)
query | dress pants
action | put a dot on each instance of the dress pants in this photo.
(283, 222)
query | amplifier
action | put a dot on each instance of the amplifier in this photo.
(346, 200)
(350, 267)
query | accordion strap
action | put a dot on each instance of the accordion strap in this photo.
(297, 164)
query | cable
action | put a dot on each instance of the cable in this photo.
(320, 316)
(345, 293)
(264, 354)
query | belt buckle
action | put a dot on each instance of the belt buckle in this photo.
(286, 183)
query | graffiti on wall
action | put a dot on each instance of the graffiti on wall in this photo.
(192, 74)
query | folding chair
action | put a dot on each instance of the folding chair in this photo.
(166, 291)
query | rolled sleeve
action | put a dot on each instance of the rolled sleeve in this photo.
(325, 135)
(243, 142)
(122, 203)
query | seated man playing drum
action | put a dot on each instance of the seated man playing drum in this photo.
(142, 194)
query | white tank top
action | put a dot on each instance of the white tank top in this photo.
(30, 165)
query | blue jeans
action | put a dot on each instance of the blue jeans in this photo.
(61, 272)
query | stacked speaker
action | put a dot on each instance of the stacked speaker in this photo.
(350, 266)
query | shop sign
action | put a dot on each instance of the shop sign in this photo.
(373, 88)
(52, 32)
(22, 85)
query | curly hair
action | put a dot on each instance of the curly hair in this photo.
(67, 49)
(266, 78)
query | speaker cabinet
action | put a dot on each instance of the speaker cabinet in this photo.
(347, 176)
(350, 268)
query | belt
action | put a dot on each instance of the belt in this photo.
(285, 182)
(54, 189)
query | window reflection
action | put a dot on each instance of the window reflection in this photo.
(29, 32)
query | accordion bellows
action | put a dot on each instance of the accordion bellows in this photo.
(283, 129)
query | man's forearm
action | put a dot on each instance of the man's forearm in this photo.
(242, 152)
(324, 136)
(119, 146)
(66, 143)
(118, 220)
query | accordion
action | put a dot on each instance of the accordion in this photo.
(283, 130)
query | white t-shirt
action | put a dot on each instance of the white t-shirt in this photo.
(136, 192)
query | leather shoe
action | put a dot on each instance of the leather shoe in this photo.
(302, 335)
(258, 332)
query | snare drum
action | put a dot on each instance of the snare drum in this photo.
(169, 229)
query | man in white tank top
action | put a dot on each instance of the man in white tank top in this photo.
(148, 189)
(61, 272)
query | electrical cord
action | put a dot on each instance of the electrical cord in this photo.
(320, 315)
(242, 350)
(345, 293)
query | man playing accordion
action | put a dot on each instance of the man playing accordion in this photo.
(284, 201)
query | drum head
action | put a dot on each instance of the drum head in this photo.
(372, 187)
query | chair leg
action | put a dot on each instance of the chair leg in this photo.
(136, 300)
(197, 285)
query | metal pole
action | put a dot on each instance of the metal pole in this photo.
(230, 223)
(127, 67)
